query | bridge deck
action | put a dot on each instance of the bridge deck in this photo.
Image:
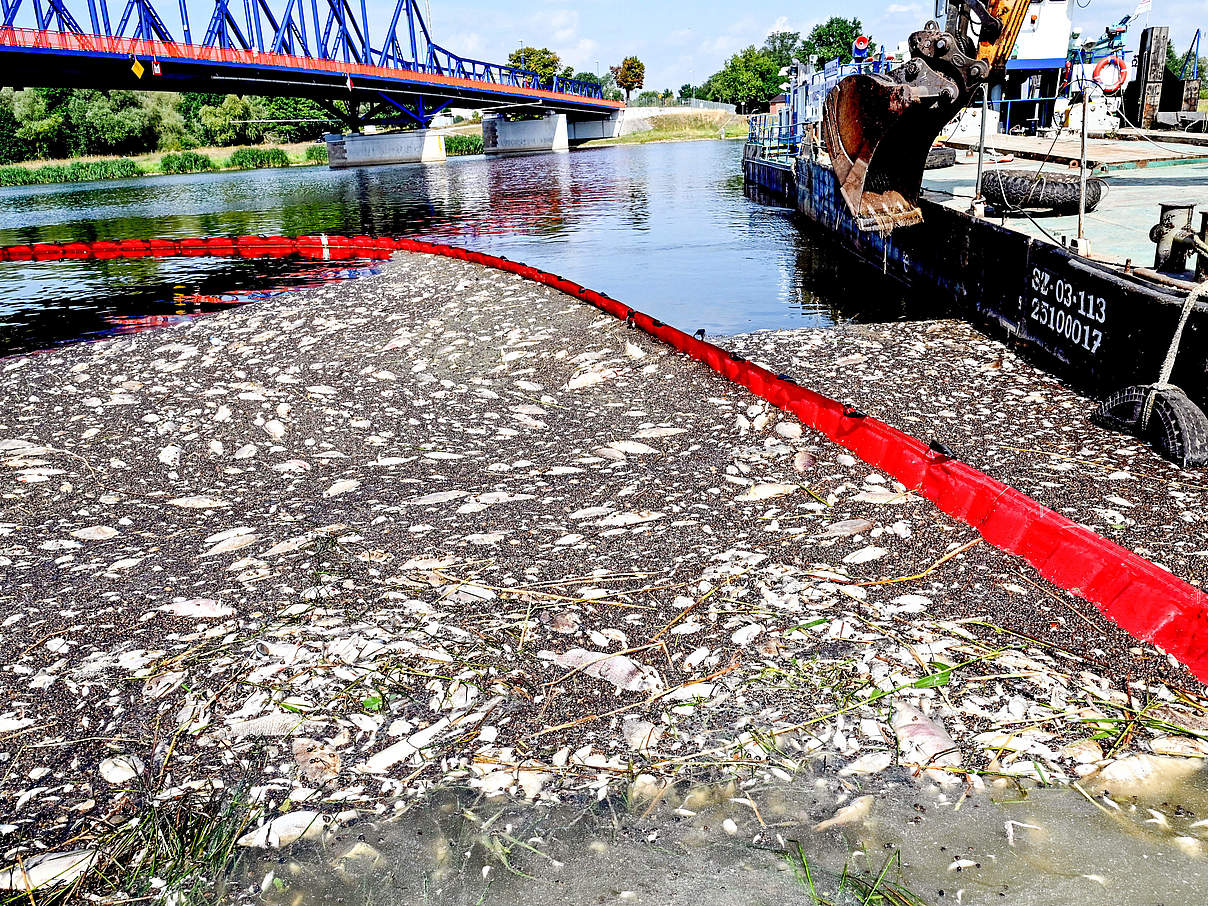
(63, 59)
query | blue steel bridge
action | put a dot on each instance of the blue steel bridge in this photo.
(327, 50)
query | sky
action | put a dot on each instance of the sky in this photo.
(679, 41)
(688, 41)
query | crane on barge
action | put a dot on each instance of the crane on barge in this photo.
(879, 126)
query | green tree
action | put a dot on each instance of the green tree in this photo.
(300, 119)
(540, 60)
(648, 99)
(832, 40)
(589, 77)
(630, 75)
(750, 78)
(12, 149)
(232, 121)
(687, 90)
(782, 46)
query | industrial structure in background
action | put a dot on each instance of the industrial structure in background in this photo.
(382, 73)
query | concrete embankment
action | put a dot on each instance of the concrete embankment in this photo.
(449, 526)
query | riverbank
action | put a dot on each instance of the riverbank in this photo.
(202, 160)
(651, 125)
(444, 526)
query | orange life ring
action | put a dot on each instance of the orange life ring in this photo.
(1121, 68)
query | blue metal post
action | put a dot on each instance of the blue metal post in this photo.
(365, 48)
(184, 21)
(105, 17)
(96, 25)
(254, 11)
(320, 49)
(343, 29)
(411, 14)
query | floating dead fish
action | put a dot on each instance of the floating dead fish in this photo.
(854, 813)
(869, 763)
(342, 487)
(284, 830)
(652, 433)
(865, 555)
(198, 503)
(766, 492)
(631, 447)
(95, 533)
(925, 743)
(804, 461)
(120, 769)
(198, 607)
(317, 763)
(846, 528)
(47, 870)
(623, 672)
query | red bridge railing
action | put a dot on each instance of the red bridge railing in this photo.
(167, 51)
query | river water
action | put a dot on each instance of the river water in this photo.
(665, 227)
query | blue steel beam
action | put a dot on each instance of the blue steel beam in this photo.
(345, 33)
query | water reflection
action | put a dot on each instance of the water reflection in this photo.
(665, 227)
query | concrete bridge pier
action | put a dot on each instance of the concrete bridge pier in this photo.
(553, 132)
(419, 146)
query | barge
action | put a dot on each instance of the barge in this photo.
(1099, 321)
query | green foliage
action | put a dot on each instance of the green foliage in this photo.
(186, 162)
(832, 40)
(317, 154)
(231, 122)
(257, 158)
(589, 77)
(782, 46)
(687, 90)
(630, 75)
(751, 78)
(648, 99)
(540, 60)
(463, 144)
(12, 149)
(309, 120)
(76, 171)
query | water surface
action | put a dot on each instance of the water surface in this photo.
(664, 227)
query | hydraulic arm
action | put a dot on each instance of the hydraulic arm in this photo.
(878, 127)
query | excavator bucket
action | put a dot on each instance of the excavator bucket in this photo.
(878, 132)
(879, 126)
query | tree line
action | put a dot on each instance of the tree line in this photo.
(49, 123)
(751, 77)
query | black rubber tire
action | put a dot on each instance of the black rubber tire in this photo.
(939, 158)
(1177, 427)
(1057, 192)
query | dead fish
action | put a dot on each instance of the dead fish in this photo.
(766, 492)
(926, 743)
(316, 762)
(631, 447)
(854, 813)
(804, 461)
(1145, 773)
(846, 528)
(623, 672)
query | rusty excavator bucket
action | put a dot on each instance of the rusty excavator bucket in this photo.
(878, 127)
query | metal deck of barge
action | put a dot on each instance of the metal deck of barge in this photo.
(1118, 229)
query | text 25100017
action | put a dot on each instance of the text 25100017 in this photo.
(1071, 313)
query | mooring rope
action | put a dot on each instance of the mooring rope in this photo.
(1172, 353)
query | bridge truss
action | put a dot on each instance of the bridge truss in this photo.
(324, 49)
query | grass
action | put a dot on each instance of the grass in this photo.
(849, 889)
(682, 128)
(76, 171)
(463, 144)
(178, 851)
(89, 169)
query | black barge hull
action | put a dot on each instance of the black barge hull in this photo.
(1092, 324)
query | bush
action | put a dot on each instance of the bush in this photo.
(185, 162)
(463, 144)
(256, 158)
(317, 154)
(78, 171)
